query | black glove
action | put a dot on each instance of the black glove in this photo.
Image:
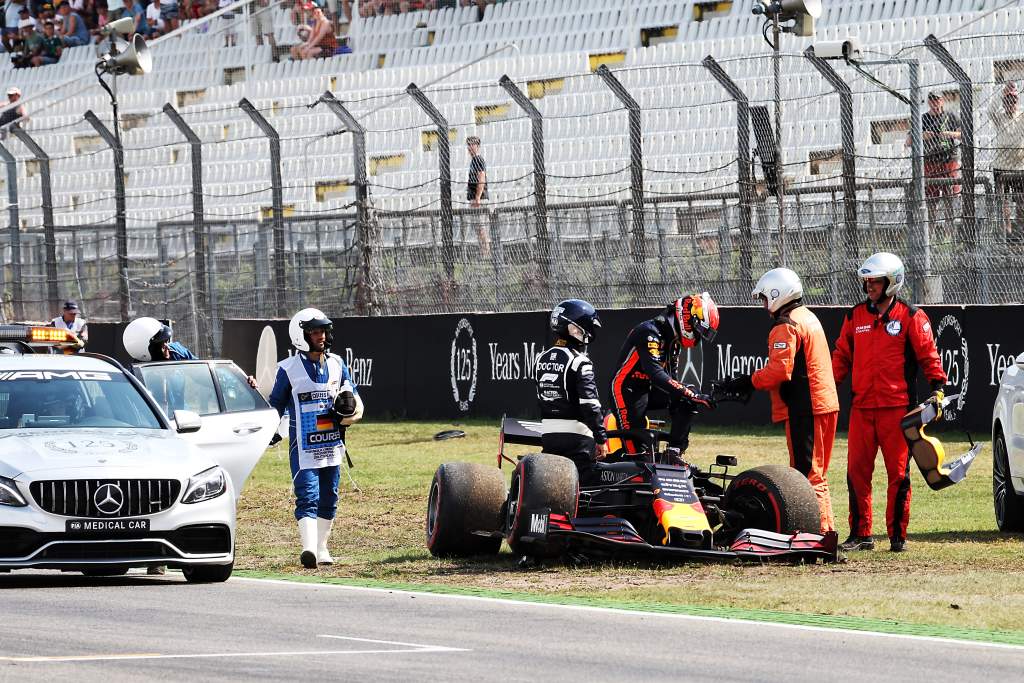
(737, 388)
(697, 398)
(345, 404)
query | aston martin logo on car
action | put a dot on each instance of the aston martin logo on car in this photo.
(108, 499)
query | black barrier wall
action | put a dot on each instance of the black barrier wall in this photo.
(481, 365)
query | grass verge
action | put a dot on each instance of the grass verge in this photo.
(959, 572)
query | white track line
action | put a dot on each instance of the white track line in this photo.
(413, 648)
(633, 613)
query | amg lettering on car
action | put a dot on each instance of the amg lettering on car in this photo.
(46, 375)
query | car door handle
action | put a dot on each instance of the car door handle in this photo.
(247, 428)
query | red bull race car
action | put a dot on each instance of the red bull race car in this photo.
(630, 509)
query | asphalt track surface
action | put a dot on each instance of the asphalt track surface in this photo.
(56, 627)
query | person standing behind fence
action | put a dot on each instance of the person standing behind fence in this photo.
(476, 194)
(1008, 164)
(13, 114)
(70, 319)
(940, 133)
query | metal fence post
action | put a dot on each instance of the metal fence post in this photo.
(445, 173)
(277, 199)
(366, 297)
(966, 148)
(49, 236)
(540, 178)
(746, 188)
(636, 172)
(849, 149)
(203, 292)
(15, 228)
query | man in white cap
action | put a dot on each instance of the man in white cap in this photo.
(12, 111)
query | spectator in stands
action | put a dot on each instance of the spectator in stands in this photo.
(18, 113)
(263, 25)
(321, 42)
(52, 46)
(941, 137)
(476, 193)
(73, 28)
(25, 15)
(12, 16)
(154, 20)
(133, 8)
(31, 44)
(1008, 165)
(169, 14)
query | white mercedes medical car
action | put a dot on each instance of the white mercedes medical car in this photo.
(1008, 448)
(95, 477)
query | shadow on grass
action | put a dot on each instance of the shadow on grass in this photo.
(964, 536)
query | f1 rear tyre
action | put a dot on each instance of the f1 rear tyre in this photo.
(465, 501)
(774, 498)
(208, 573)
(540, 481)
(1009, 507)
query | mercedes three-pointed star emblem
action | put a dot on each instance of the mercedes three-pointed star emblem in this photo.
(108, 499)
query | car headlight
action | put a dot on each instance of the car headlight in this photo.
(9, 494)
(205, 485)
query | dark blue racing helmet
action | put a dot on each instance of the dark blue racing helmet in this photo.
(575, 320)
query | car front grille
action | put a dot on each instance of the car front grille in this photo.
(105, 498)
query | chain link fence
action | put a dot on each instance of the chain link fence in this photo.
(624, 186)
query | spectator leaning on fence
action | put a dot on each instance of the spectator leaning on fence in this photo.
(476, 194)
(13, 114)
(1008, 165)
(940, 132)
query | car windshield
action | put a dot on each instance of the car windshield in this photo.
(72, 398)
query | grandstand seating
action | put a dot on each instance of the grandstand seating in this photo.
(688, 122)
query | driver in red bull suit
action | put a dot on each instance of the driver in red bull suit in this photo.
(644, 378)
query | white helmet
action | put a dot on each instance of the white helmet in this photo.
(779, 286)
(884, 264)
(143, 338)
(305, 320)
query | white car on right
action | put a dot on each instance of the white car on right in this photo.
(1008, 449)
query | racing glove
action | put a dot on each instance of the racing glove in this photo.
(740, 387)
(697, 398)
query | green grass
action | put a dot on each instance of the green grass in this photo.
(958, 571)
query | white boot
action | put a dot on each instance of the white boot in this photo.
(323, 532)
(307, 534)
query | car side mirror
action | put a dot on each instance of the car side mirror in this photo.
(187, 422)
(1019, 360)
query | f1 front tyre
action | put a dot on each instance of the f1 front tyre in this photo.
(464, 510)
(773, 498)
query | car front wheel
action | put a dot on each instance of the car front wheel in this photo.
(1009, 507)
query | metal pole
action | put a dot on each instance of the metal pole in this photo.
(444, 161)
(366, 303)
(49, 236)
(15, 228)
(743, 159)
(966, 144)
(113, 140)
(277, 199)
(540, 179)
(638, 245)
(779, 190)
(203, 311)
(849, 149)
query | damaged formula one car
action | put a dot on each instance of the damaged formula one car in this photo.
(625, 510)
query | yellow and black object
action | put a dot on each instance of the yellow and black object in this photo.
(928, 451)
